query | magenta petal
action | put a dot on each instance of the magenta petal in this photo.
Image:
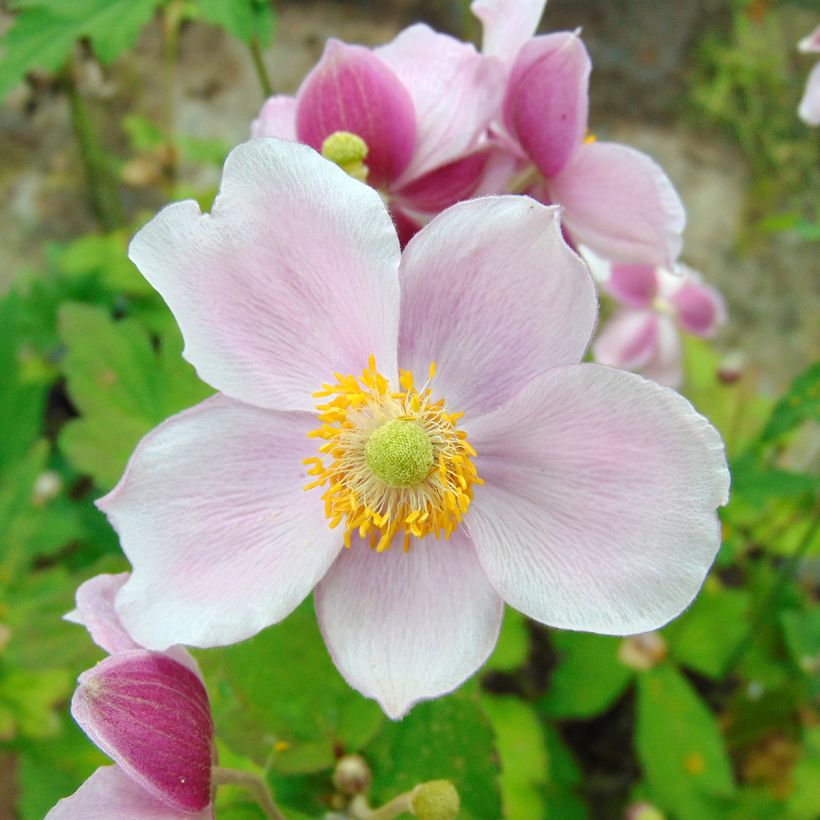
(598, 511)
(110, 794)
(633, 285)
(152, 716)
(547, 99)
(448, 184)
(700, 308)
(508, 24)
(493, 295)
(627, 339)
(455, 90)
(621, 204)
(277, 118)
(408, 626)
(351, 89)
(290, 278)
(213, 515)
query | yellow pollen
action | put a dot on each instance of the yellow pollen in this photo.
(348, 151)
(590, 138)
(390, 461)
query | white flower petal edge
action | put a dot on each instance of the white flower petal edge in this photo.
(599, 507)
(492, 292)
(212, 514)
(291, 276)
(404, 627)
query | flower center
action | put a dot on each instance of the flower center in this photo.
(348, 151)
(391, 460)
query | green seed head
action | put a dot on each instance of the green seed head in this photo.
(348, 151)
(399, 453)
(436, 800)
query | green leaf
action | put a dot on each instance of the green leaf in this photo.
(800, 403)
(564, 775)
(513, 645)
(448, 739)
(805, 797)
(802, 633)
(43, 33)
(589, 677)
(523, 755)
(30, 698)
(245, 19)
(278, 698)
(680, 747)
(121, 386)
(693, 639)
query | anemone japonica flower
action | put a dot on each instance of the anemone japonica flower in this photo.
(409, 118)
(616, 200)
(149, 712)
(809, 110)
(411, 434)
(644, 334)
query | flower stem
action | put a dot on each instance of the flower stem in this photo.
(398, 805)
(253, 783)
(99, 179)
(259, 65)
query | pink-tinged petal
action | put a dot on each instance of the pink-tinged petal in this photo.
(292, 276)
(493, 295)
(447, 185)
(152, 716)
(508, 24)
(351, 89)
(111, 793)
(700, 308)
(620, 203)
(277, 118)
(811, 42)
(547, 99)
(455, 91)
(407, 224)
(598, 511)
(627, 339)
(95, 611)
(633, 285)
(809, 110)
(664, 367)
(408, 626)
(212, 514)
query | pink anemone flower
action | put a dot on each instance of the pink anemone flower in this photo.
(809, 110)
(411, 434)
(409, 118)
(615, 200)
(149, 711)
(644, 335)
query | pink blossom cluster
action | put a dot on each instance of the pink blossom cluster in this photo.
(809, 110)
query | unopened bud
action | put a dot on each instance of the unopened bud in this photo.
(730, 368)
(643, 811)
(46, 486)
(436, 800)
(352, 775)
(642, 651)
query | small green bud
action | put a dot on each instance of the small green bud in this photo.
(436, 800)
(399, 453)
(348, 151)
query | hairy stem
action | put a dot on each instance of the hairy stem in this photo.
(254, 784)
(259, 65)
(360, 809)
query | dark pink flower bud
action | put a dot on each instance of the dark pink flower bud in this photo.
(547, 99)
(353, 90)
(700, 308)
(152, 716)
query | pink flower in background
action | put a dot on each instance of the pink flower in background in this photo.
(644, 335)
(616, 200)
(419, 106)
(809, 110)
(149, 711)
(506, 471)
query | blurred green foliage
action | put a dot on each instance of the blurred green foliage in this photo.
(714, 717)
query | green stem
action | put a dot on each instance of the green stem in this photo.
(259, 65)
(99, 179)
(253, 783)
(397, 806)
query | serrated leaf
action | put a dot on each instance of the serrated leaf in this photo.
(800, 403)
(278, 698)
(588, 678)
(523, 755)
(244, 19)
(448, 739)
(121, 387)
(680, 747)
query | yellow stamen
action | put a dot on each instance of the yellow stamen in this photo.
(392, 461)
